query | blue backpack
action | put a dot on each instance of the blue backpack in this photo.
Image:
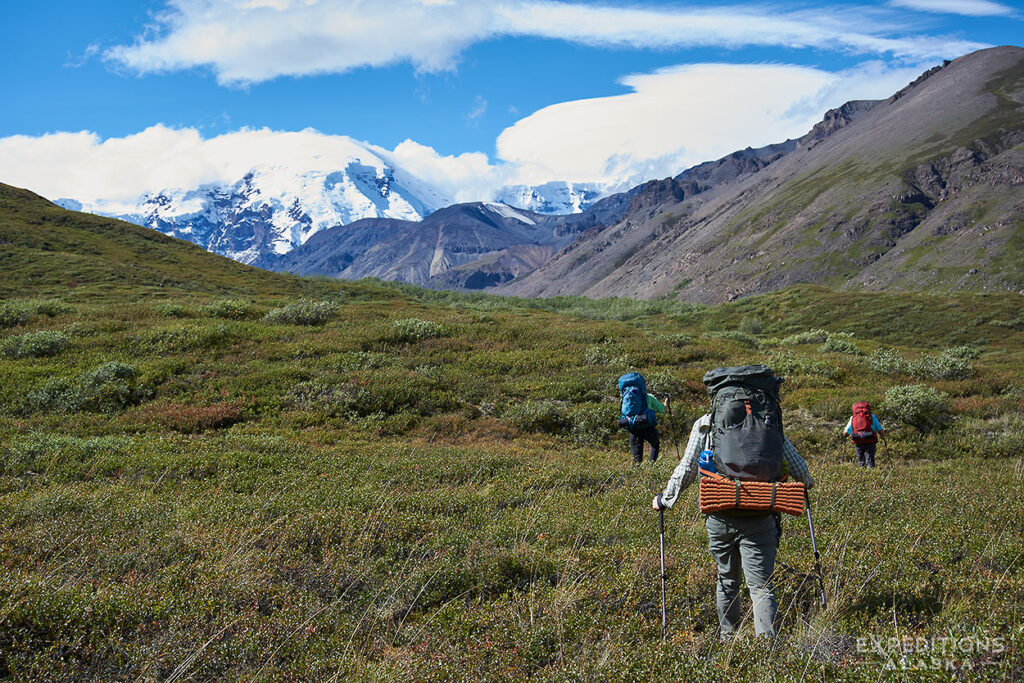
(634, 410)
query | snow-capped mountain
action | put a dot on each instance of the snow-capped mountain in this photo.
(272, 210)
(553, 198)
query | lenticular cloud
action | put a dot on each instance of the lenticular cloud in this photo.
(673, 119)
(258, 40)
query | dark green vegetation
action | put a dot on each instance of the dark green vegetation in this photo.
(220, 473)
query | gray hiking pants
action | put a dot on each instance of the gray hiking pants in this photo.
(750, 544)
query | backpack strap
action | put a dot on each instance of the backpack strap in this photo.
(771, 505)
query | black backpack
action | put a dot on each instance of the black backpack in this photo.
(746, 422)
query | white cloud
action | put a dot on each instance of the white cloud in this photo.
(478, 110)
(257, 40)
(673, 119)
(118, 170)
(970, 8)
(679, 117)
(465, 177)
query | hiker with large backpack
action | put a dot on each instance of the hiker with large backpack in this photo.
(742, 455)
(639, 416)
(864, 430)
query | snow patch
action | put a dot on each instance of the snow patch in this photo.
(508, 212)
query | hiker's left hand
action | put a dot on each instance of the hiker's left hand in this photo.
(654, 504)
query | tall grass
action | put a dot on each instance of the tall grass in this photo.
(401, 484)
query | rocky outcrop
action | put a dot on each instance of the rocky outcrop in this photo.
(836, 119)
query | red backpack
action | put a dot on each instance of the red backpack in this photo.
(862, 429)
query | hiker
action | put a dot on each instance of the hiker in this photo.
(639, 416)
(744, 540)
(864, 430)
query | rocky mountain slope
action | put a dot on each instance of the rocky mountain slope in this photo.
(924, 190)
(469, 246)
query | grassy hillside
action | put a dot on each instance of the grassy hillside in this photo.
(305, 480)
(46, 250)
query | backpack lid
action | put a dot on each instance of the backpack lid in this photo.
(758, 376)
(632, 379)
(861, 407)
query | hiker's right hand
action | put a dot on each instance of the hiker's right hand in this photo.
(654, 504)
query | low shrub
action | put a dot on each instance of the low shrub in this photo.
(665, 383)
(361, 360)
(604, 354)
(593, 423)
(317, 397)
(816, 336)
(35, 344)
(171, 309)
(733, 335)
(547, 417)
(966, 352)
(888, 362)
(381, 393)
(789, 365)
(13, 314)
(678, 339)
(177, 338)
(918, 405)
(942, 366)
(110, 387)
(48, 307)
(750, 325)
(65, 457)
(303, 312)
(950, 364)
(839, 345)
(234, 309)
(413, 330)
(56, 396)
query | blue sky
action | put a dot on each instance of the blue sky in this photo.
(472, 94)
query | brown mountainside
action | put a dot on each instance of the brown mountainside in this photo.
(922, 191)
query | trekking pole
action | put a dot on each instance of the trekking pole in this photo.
(664, 617)
(675, 428)
(814, 545)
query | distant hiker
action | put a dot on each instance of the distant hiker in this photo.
(639, 416)
(743, 433)
(864, 430)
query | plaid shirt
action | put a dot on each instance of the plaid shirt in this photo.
(686, 471)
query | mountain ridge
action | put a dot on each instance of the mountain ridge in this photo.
(829, 211)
